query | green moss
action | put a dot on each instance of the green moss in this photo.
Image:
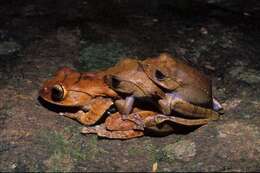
(101, 55)
(134, 151)
(92, 150)
(63, 152)
(155, 153)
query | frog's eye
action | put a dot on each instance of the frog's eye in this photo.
(58, 92)
(159, 75)
(115, 82)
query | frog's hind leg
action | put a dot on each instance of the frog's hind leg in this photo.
(173, 102)
(101, 131)
(160, 118)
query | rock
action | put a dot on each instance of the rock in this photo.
(231, 104)
(238, 141)
(9, 47)
(250, 76)
(183, 150)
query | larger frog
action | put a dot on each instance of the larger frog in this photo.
(86, 92)
(175, 85)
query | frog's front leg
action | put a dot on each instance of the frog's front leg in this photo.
(173, 101)
(91, 112)
(125, 106)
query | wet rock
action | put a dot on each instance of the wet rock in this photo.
(9, 47)
(250, 76)
(238, 141)
(232, 104)
(183, 150)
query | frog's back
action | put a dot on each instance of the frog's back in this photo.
(177, 76)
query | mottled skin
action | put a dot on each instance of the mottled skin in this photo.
(177, 86)
(85, 91)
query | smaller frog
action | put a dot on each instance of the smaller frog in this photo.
(116, 127)
(85, 91)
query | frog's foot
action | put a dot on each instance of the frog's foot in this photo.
(125, 106)
(176, 103)
(101, 131)
(116, 122)
(217, 106)
(160, 118)
(134, 117)
(92, 112)
(85, 118)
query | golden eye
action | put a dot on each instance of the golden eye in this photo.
(58, 92)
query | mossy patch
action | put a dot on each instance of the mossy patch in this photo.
(94, 56)
(154, 152)
(92, 150)
(64, 151)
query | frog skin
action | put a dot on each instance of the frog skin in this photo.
(177, 86)
(127, 77)
(85, 91)
(116, 127)
(188, 91)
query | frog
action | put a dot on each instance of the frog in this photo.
(188, 90)
(116, 127)
(176, 87)
(86, 91)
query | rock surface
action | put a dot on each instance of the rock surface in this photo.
(33, 138)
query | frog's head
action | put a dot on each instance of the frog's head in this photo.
(124, 86)
(162, 71)
(71, 88)
(130, 79)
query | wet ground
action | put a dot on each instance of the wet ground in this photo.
(38, 38)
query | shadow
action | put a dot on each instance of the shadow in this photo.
(169, 128)
(57, 108)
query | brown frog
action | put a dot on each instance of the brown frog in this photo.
(85, 91)
(92, 97)
(188, 91)
(172, 83)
